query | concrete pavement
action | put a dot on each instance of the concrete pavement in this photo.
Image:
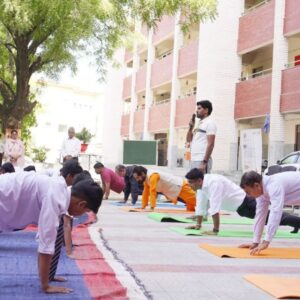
(171, 266)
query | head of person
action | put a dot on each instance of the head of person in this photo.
(29, 168)
(195, 179)
(7, 168)
(81, 176)
(204, 109)
(69, 170)
(139, 173)
(251, 182)
(14, 134)
(99, 167)
(120, 170)
(86, 195)
(71, 132)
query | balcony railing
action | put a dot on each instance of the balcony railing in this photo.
(292, 64)
(159, 102)
(257, 74)
(165, 54)
(263, 2)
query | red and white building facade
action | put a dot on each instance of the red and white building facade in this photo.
(246, 62)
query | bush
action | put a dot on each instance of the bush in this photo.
(84, 135)
(39, 154)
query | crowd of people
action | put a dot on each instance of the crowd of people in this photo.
(72, 192)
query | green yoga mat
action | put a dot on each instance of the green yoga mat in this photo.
(232, 233)
(159, 217)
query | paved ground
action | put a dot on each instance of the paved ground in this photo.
(172, 266)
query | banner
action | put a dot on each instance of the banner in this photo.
(251, 150)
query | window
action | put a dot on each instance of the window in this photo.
(62, 128)
(291, 159)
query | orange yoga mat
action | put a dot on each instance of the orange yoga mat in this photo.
(159, 210)
(278, 287)
(235, 252)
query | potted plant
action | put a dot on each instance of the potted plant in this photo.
(85, 137)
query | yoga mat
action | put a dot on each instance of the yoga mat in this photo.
(235, 252)
(160, 210)
(159, 217)
(157, 204)
(232, 233)
(278, 287)
(89, 275)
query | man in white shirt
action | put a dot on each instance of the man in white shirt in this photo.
(218, 192)
(71, 146)
(214, 192)
(271, 193)
(29, 198)
(201, 135)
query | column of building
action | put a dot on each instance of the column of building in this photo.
(175, 92)
(280, 59)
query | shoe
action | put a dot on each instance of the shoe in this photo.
(296, 229)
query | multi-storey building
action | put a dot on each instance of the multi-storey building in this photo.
(247, 62)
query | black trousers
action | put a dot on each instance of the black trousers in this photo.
(248, 207)
(134, 188)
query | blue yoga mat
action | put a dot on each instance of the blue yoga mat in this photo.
(19, 272)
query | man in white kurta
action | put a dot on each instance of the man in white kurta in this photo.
(30, 198)
(71, 146)
(214, 193)
(271, 193)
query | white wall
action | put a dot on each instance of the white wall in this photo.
(219, 68)
(113, 104)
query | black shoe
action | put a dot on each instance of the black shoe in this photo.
(296, 229)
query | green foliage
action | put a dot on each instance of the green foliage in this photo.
(47, 35)
(39, 154)
(84, 135)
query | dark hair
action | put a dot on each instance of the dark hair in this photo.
(82, 176)
(29, 168)
(194, 174)
(206, 104)
(8, 168)
(70, 167)
(139, 170)
(14, 130)
(249, 178)
(120, 168)
(90, 191)
(98, 165)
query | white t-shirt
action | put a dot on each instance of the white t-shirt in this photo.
(71, 147)
(202, 129)
(218, 193)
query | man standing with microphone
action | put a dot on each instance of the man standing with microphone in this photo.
(201, 135)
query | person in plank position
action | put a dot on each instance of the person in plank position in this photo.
(216, 192)
(172, 187)
(30, 198)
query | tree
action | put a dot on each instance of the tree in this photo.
(44, 36)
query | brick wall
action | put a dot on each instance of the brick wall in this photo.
(162, 71)
(292, 16)
(184, 110)
(256, 27)
(159, 117)
(290, 96)
(125, 125)
(188, 59)
(253, 97)
(127, 87)
(140, 83)
(138, 125)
